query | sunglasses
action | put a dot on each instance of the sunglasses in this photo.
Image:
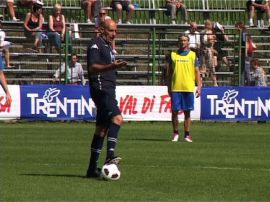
(102, 13)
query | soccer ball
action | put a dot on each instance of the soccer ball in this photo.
(110, 172)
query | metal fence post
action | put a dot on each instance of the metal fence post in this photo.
(153, 69)
(240, 57)
(67, 45)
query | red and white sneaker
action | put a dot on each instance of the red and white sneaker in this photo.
(188, 138)
(175, 137)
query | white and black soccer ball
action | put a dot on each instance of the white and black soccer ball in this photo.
(110, 172)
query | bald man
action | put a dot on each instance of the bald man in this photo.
(102, 68)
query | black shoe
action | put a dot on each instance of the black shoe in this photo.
(95, 174)
(114, 160)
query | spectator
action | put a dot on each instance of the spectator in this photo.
(75, 73)
(11, 10)
(206, 33)
(194, 37)
(57, 27)
(119, 6)
(173, 6)
(4, 47)
(33, 25)
(262, 7)
(222, 38)
(211, 58)
(245, 56)
(101, 18)
(3, 83)
(258, 77)
(91, 8)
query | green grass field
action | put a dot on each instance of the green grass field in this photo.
(47, 162)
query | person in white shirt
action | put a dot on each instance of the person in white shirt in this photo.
(4, 47)
(194, 37)
(262, 6)
(75, 74)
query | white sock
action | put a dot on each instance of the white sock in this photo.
(250, 21)
(269, 21)
(259, 23)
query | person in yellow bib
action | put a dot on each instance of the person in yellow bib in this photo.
(183, 74)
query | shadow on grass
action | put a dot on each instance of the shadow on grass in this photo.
(149, 139)
(56, 175)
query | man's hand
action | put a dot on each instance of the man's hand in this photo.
(119, 63)
(8, 99)
(198, 92)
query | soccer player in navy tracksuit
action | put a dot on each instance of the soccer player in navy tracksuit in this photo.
(101, 65)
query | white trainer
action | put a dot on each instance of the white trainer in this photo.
(175, 137)
(188, 138)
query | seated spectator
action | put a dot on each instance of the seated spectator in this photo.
(91, 8)
(33, 25)
(173, 6)
(4, 47)
(262, 6)
(194, 37)
(75, 73)
(11, 10)
(211, 58)
(222, 38)
(119, 6)
(208, 54)
(57, 27)
(206, 33)
(101, 18)
(258, 77)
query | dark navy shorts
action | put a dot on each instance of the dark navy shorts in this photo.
(249, 3)
(182, 101)
(125, 5)
(107, 107)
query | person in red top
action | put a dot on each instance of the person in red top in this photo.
(57, 27)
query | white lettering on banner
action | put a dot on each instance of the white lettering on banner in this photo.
(52, 106)
(230, 109)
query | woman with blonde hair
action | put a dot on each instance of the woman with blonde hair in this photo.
(57, 27)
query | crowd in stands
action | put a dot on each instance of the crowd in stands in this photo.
(208, 43)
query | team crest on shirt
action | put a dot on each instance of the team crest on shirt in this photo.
(94, 46)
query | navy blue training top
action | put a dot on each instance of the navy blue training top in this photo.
(100, 52)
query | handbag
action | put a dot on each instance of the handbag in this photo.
(251, 46)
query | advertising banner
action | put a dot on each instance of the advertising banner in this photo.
(13, 110)
(69, 102)
(56, 102)
(236, 103)
(149, 103)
